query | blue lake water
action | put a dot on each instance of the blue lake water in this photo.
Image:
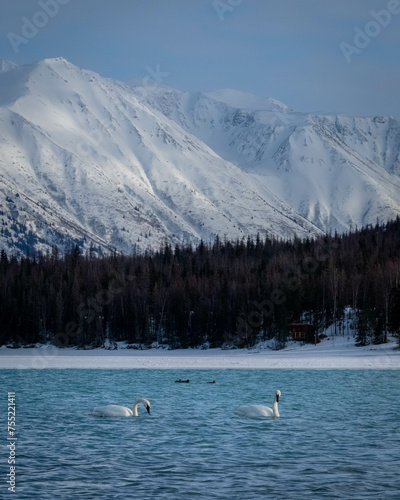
(338, 435)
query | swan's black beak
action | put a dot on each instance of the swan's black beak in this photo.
(277, 398)
(148, 409)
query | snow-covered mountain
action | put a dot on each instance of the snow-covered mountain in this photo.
(335, 171)
(93, 161)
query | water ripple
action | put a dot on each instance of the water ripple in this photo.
(327, 444)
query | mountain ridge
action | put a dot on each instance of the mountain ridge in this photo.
(92, 161)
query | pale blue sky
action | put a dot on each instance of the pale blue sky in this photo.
(287, 49)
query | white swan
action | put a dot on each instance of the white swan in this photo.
(120, 411)
(260, 410)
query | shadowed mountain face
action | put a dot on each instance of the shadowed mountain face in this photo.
(91, 161)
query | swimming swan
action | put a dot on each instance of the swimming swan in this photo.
(260, 410)
(121, 411)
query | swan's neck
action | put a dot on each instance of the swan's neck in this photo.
(276, 412)
(134, 409)
(135, 405)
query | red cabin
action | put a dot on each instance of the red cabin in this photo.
(303, 331)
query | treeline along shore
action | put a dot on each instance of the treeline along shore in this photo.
(222, 293)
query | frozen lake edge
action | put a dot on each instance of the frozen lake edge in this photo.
(338, 353)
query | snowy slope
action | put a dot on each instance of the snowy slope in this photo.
(335, 171)
(93, 161)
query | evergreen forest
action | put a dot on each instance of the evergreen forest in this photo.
(224, 293)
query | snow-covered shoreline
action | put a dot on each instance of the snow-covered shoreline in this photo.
(338, 353)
